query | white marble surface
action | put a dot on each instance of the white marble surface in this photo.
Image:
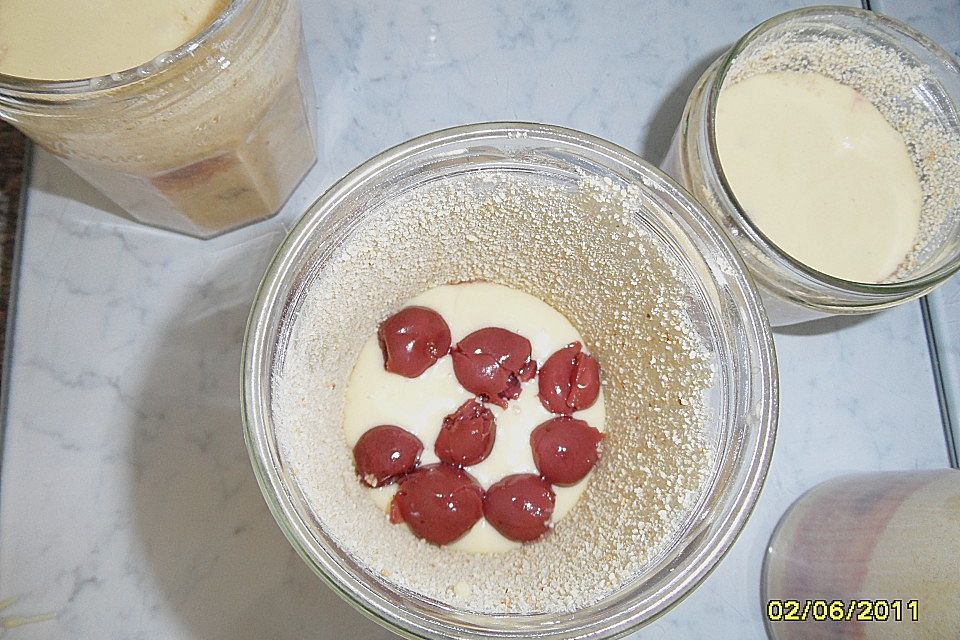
(128, 508)
(938, 19)
(944, 310)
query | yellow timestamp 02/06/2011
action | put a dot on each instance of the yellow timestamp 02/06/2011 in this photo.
(843, 610)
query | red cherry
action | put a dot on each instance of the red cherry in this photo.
(467, 435)
(492, 363)
(439, 502)
(385, 453)
(412, 340)
(528, 371)
(569, 380)
(519, 506)
(565, 449)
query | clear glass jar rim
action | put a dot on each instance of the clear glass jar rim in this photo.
(110, 81)
(763, 373)
(892, 289)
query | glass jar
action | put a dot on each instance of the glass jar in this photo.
(877, 556)
(203, 139)
(740, 408)
(792, 291)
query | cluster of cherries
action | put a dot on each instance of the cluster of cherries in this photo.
(440, 502)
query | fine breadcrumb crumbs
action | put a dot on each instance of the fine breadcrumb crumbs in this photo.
(904, 91)
(580, 249)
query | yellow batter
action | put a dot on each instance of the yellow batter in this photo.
(76, 39)
(821, 172)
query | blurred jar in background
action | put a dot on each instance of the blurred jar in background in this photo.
(875, 555)
(207, 137)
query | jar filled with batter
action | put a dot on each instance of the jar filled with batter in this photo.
(191, 115)
(823, 141)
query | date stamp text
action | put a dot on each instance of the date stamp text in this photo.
(843, 610)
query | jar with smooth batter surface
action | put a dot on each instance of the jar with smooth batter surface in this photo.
(918, 85)
(203, 139)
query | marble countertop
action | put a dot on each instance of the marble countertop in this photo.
(128, 508)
